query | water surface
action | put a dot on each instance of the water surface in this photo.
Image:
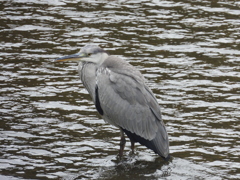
(188, 51)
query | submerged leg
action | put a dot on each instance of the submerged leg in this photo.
(122, 144)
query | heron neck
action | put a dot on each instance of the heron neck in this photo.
(103, 57)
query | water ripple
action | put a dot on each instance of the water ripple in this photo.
(188, 52)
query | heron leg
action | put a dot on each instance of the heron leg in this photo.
(122, 144)
(132, 146)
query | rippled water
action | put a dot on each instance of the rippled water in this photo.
(189, 51)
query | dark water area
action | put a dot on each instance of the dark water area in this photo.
(189, 52)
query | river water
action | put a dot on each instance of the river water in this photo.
(189, 52)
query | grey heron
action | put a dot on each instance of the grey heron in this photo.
(122, 98)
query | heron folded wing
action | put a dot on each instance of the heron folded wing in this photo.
(128, 103)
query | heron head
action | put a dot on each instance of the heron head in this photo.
(89, 53)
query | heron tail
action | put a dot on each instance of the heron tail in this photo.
(159, 144)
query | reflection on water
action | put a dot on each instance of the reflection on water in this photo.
(188, 51)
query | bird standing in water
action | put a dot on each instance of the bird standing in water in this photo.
(122, 98)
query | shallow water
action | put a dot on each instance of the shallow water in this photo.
(188, 51)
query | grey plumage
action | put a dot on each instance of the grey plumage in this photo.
(122, 98)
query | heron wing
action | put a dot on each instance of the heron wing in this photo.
(128, 103)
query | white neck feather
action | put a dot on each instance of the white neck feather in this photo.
(100, 58)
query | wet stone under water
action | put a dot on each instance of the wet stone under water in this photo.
(188, 51)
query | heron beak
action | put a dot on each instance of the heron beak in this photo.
(73, 57)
